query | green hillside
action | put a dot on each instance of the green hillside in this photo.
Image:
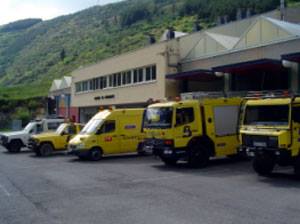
(34, 52)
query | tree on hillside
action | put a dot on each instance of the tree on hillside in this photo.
(135, 14)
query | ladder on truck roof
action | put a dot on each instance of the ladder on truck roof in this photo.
(210, 94)
(243, 94)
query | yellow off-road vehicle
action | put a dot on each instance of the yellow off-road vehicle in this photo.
(192, 130)
(109, 132)
(270, 132)
(47, 143)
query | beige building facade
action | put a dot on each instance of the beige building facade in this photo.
(258, 53)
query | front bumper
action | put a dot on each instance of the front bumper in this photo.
(158, 148)
(73, 150)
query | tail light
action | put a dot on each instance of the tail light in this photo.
(168, 142)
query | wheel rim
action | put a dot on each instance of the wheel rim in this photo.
(95, 154)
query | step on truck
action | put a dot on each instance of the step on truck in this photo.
(14, 141)
(270, 131)
(192, 130)
(110, 132)
(46, 144)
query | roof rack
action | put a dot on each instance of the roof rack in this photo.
(270, 94)
(210, 94)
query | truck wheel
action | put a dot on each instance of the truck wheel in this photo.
(263, 164)
(198, 156)
(169, 161)
(297, 167)
(45, 150)
(95, 154)
(14, 146)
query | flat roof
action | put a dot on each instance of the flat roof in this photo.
(259, 64)
(295, 57)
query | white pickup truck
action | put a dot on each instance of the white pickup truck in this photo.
(14, 141)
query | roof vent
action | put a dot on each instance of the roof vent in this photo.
(170, 33)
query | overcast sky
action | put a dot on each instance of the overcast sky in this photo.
(12, 10)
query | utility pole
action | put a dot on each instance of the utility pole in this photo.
(282, 9)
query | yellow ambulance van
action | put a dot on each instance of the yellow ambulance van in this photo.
(109, 132)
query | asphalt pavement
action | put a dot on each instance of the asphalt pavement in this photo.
(132, 189)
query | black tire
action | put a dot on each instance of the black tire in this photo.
(263, 164)
(198, 156)
(45, 150)
(14, 146)
(297, 167)
(95, 154)
(169, 161)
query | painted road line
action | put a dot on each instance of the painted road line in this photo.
(5, 191)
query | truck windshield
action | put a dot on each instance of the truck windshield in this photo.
(29, 127)
(92, 126)
(158, 118)
(60, 129)
(267, 115)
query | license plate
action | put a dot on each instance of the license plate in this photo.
(260, 144)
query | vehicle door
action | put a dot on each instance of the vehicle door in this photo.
(66, 136)
(108, 138)
(185, 125)
(296, 128)
(130, 131)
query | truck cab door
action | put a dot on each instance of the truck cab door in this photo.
(296, 129)
(108, 138)
(185, 125)
(68, 133)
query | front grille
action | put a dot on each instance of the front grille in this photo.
(259, 141)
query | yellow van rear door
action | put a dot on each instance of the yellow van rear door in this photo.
(130, 129)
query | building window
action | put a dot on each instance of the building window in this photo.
(153, 72)
(118, 79)
(103, 82)
(78, 87)
(138, 75)
(91, 84)
(141, 75)
(84, 86)
(96, 83)
(135, 76)
(148, 73)
(110, 82)
(128, 77)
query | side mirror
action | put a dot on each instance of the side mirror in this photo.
(99, 131)
(63, 133)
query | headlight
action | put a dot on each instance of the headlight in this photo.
(4, 139)
(81, 146)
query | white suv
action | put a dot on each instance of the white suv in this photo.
(15, 140)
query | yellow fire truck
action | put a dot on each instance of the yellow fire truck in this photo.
(193, 129)
(270, 131)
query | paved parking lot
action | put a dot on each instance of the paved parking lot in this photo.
(132, 189)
